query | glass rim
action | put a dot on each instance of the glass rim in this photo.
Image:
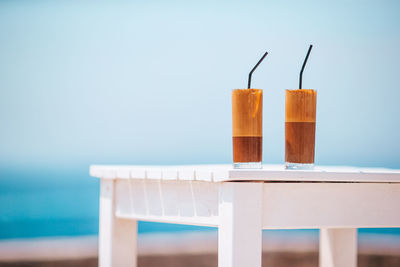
(305, 89)
(247, 89)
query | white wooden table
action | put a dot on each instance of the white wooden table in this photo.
(336, 200)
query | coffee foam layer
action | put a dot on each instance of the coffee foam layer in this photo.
(247, 112)
(301, 105)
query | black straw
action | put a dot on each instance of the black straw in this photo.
(304, 64)
(251, 72)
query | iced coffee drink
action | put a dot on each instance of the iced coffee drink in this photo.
(247, 127)
(300, 128)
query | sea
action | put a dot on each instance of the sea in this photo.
(62, 201)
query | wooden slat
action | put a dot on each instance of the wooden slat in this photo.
(207, 173)
(330, 205)
(319, 174)
(221, 173)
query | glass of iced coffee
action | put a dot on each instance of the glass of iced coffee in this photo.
(247, 125)
(300, 116)
(247, 128)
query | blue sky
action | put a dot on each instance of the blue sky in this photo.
(150, 83)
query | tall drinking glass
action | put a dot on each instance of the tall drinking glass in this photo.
(247, 128)
(300, 128)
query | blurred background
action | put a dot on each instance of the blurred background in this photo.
(125, 82)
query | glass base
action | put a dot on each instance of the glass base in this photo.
(247, 165)
(299, 166)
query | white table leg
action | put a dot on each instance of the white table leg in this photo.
(117, 237)
(240, 226)
(338, 247)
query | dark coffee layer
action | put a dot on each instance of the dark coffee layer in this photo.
(247, 149)
(299, 142)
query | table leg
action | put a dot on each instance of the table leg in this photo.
(338, 247)
(240, 226)
(117, 237)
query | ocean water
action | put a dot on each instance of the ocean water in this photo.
(49, 202)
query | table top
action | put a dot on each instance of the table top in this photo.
(269, 173)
